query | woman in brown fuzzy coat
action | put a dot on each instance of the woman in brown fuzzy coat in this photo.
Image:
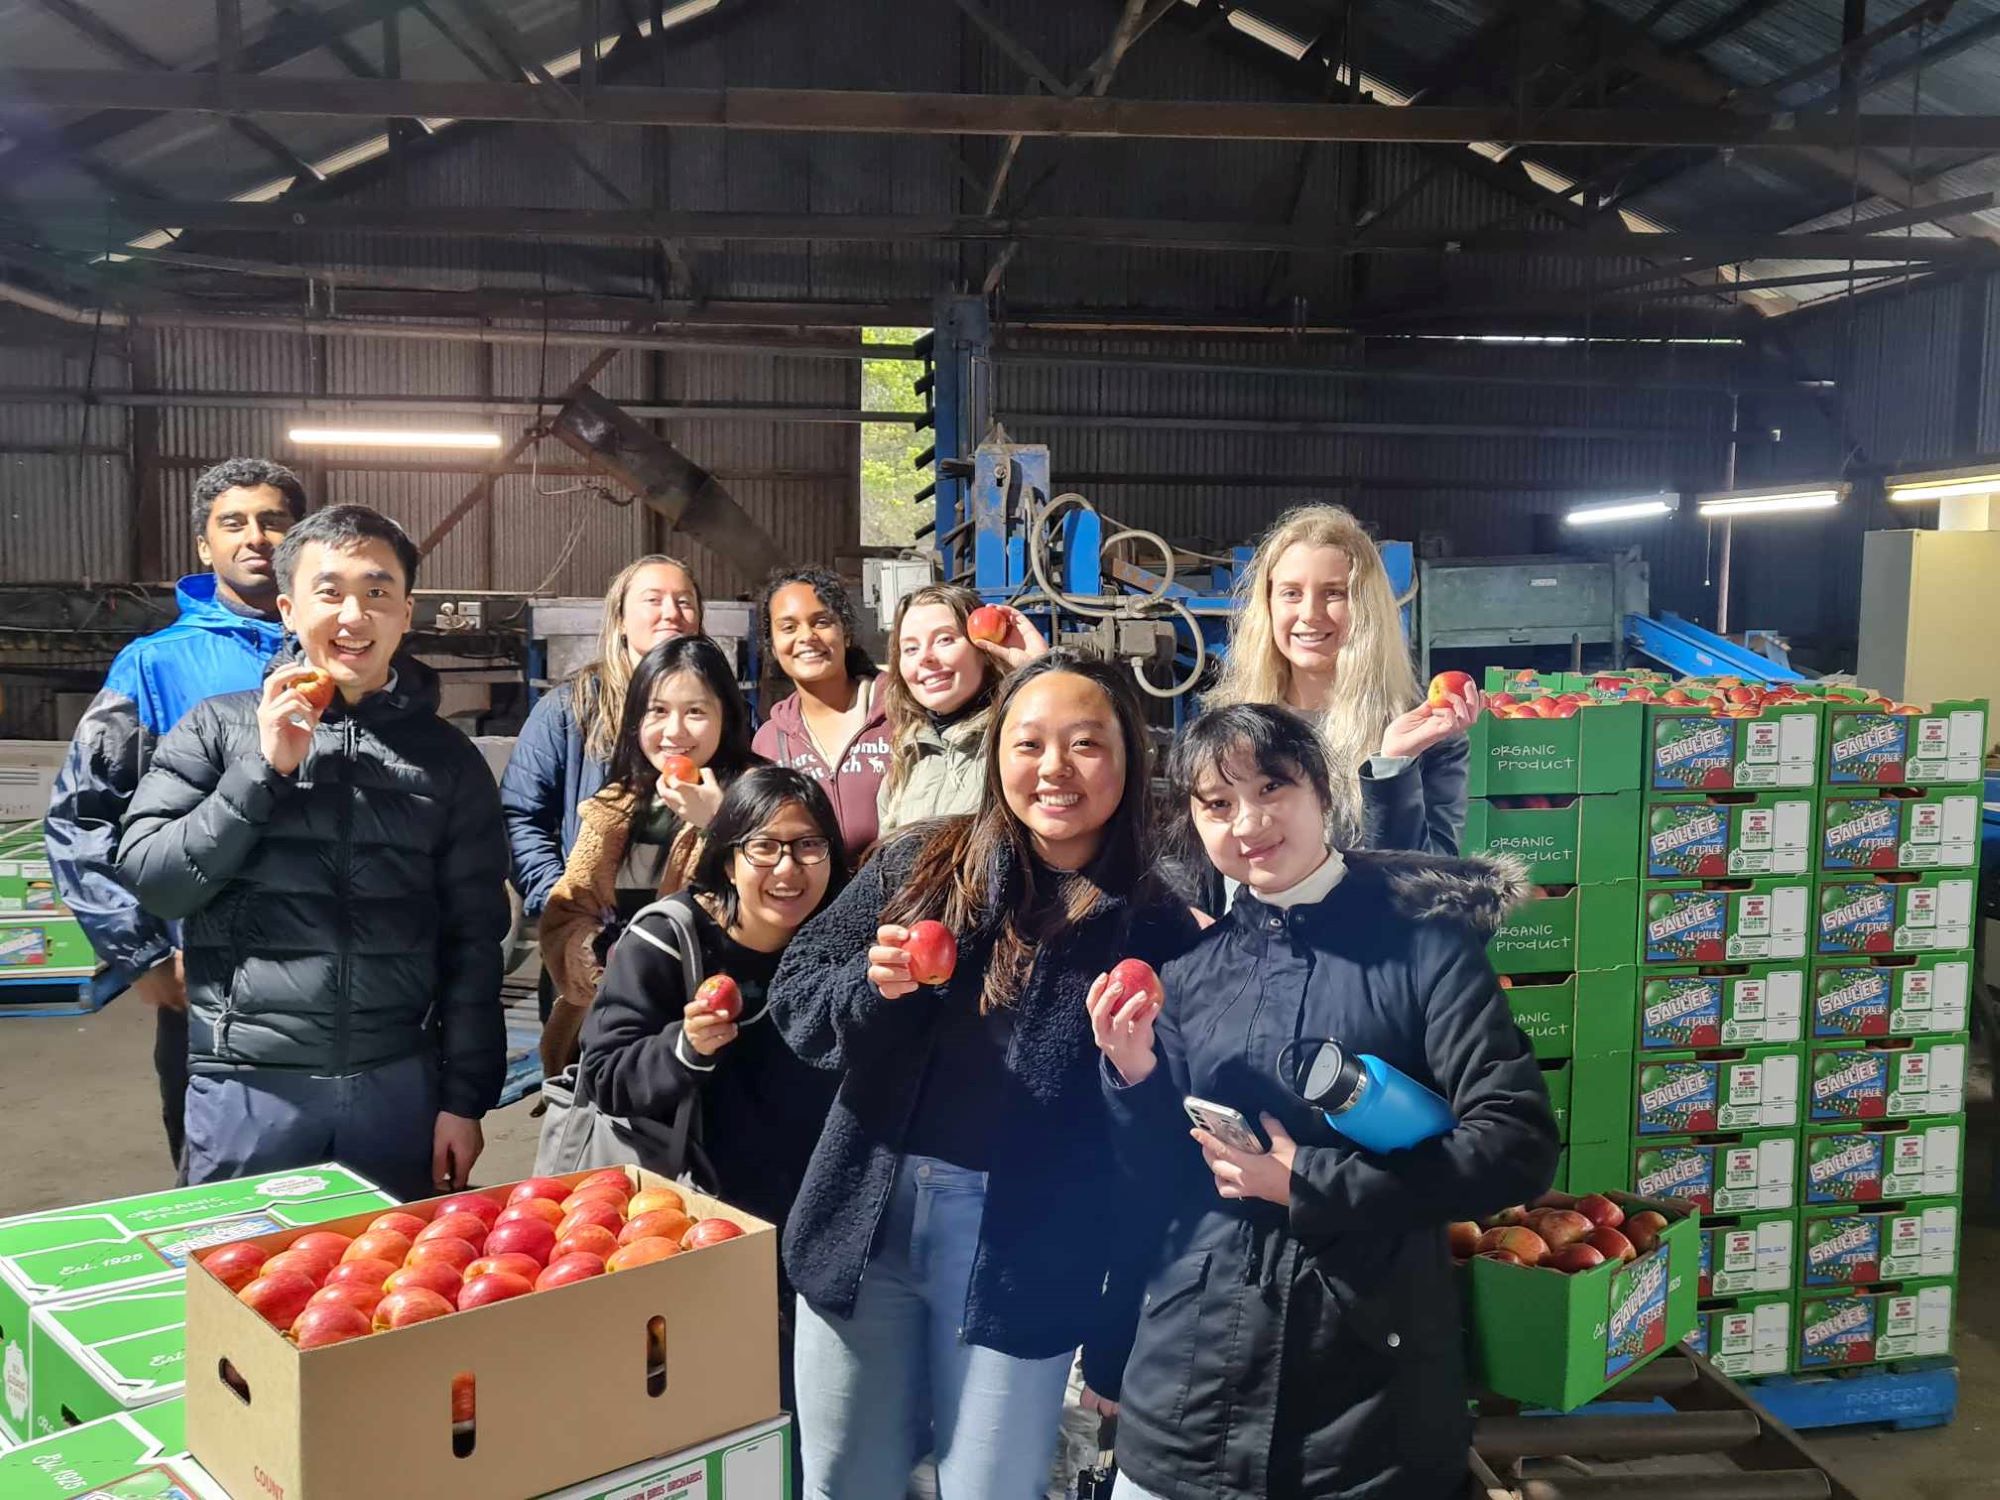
(638, 838)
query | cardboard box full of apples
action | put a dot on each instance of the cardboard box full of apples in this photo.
(1568, 1295)
(501, 1342)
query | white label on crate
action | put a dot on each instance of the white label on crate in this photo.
(1955, 913)
(1784, 1005)
(1924, 1164)
(1948, 749)
(14, 1377)
(1758, 1177)
(1798, 750)
(1760, 744)
(1757, 1342)
(755, 1468)
(1752, 997)
(1929, 1083)
(1792, 841)
(1933, 999)
(1758, 831)
(1746, 1084)
(1940, 1240)
(1754, 1260)
(1774, 1256)
(1789, 921)
(1915, 1323)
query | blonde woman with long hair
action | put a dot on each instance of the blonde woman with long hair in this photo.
(1318, 630)
(939, 698)
(565, 748)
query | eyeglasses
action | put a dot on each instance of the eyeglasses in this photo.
(765, 853)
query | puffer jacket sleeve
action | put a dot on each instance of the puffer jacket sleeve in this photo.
(634, 1062)
(1503, 1148)
(1418, 804)
(93, 789)
(198, 814)
(825, 1008)
(472, 900)
(532, 793)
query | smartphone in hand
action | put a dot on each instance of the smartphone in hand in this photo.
(1226, 1125)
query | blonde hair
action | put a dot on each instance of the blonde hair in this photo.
(904, 712)
(1373, 682)
(599, 689)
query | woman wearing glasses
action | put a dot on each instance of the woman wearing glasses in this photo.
(772, 857)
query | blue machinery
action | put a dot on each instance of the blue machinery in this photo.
(998, 529)
(1691, 651)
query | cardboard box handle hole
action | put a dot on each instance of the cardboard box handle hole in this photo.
(230, 1376)
(464, 1414)
(656, 1355)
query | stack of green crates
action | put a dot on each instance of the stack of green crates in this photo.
(39, 939)
(1891, 975)
(1562, 796)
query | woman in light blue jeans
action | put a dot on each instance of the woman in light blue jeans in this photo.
(952, 1238)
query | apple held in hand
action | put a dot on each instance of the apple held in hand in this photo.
(719, 996)
(236, 1266)
(988, 623)
(1134, 976)
(410, 1304)
(278, 1297)
(317, 688)
(680, 770)
(933, 952)
(1447, 686)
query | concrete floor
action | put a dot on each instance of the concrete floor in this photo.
(80, 1114)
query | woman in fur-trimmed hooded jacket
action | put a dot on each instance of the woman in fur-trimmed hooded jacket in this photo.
(1299, 1335)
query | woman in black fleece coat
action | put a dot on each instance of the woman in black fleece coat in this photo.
(1300, 1334)
(952, 1240)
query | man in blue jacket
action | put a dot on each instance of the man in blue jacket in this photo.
(227, 630)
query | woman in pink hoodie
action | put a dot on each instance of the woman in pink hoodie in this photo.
(833, 726)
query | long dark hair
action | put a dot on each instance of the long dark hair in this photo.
(752, 800)
(833, 594)
(630, 771)
(952, 880)
(1271, 739)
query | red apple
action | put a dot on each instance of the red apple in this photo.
(1600, 1210)
(665, 1223)
(437, 1276)
(988, 622)
(1514, 1215)
(587, 1239)
(1644, 1229)
(1611, 1244)
(651, 1200)
(375, 1273)
(323, 1323)
(530, 1237)
(362, 1299)
(306, 1264)
(407, 1225)
(468, 1227)
(464, 1394)
(1559, 1226)
(579, 1267)
(1505, 1257)
(1448, 685)
(279, 1297)
(933, 952)
(513, 1263)
(679, 768)
(608, 1177)
(642, 1252)
(1569, 1259)
(705, 1232)
(494, 1286)
(602, 1212)
(458, 1254)
(380, 1244)
(485, 1209)
(235, 1266)
(552, 1188)
(323, 1243)
(410, 1304)
(1464, 1238)
(549, 1213)
(597, 1196)
(1134, 976)
(1516, 1240)
(719, 996)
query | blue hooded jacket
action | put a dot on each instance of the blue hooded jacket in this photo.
(152, 684)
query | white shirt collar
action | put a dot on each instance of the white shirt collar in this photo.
(1314, 887)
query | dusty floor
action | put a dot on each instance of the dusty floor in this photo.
(79, 1111)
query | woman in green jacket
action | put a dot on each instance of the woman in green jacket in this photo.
(939, 697)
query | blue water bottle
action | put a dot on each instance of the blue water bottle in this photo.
(1376, 1106)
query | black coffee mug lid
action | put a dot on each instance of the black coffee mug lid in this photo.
(1321, 1072)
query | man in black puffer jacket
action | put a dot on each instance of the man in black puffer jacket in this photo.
(338, 869)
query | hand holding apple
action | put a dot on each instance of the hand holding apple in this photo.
(1121, 1021)
(933, 952)
(1433, 721)
(1005, 634)
(889, 963)
(695, 802)
(1240, 1174)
